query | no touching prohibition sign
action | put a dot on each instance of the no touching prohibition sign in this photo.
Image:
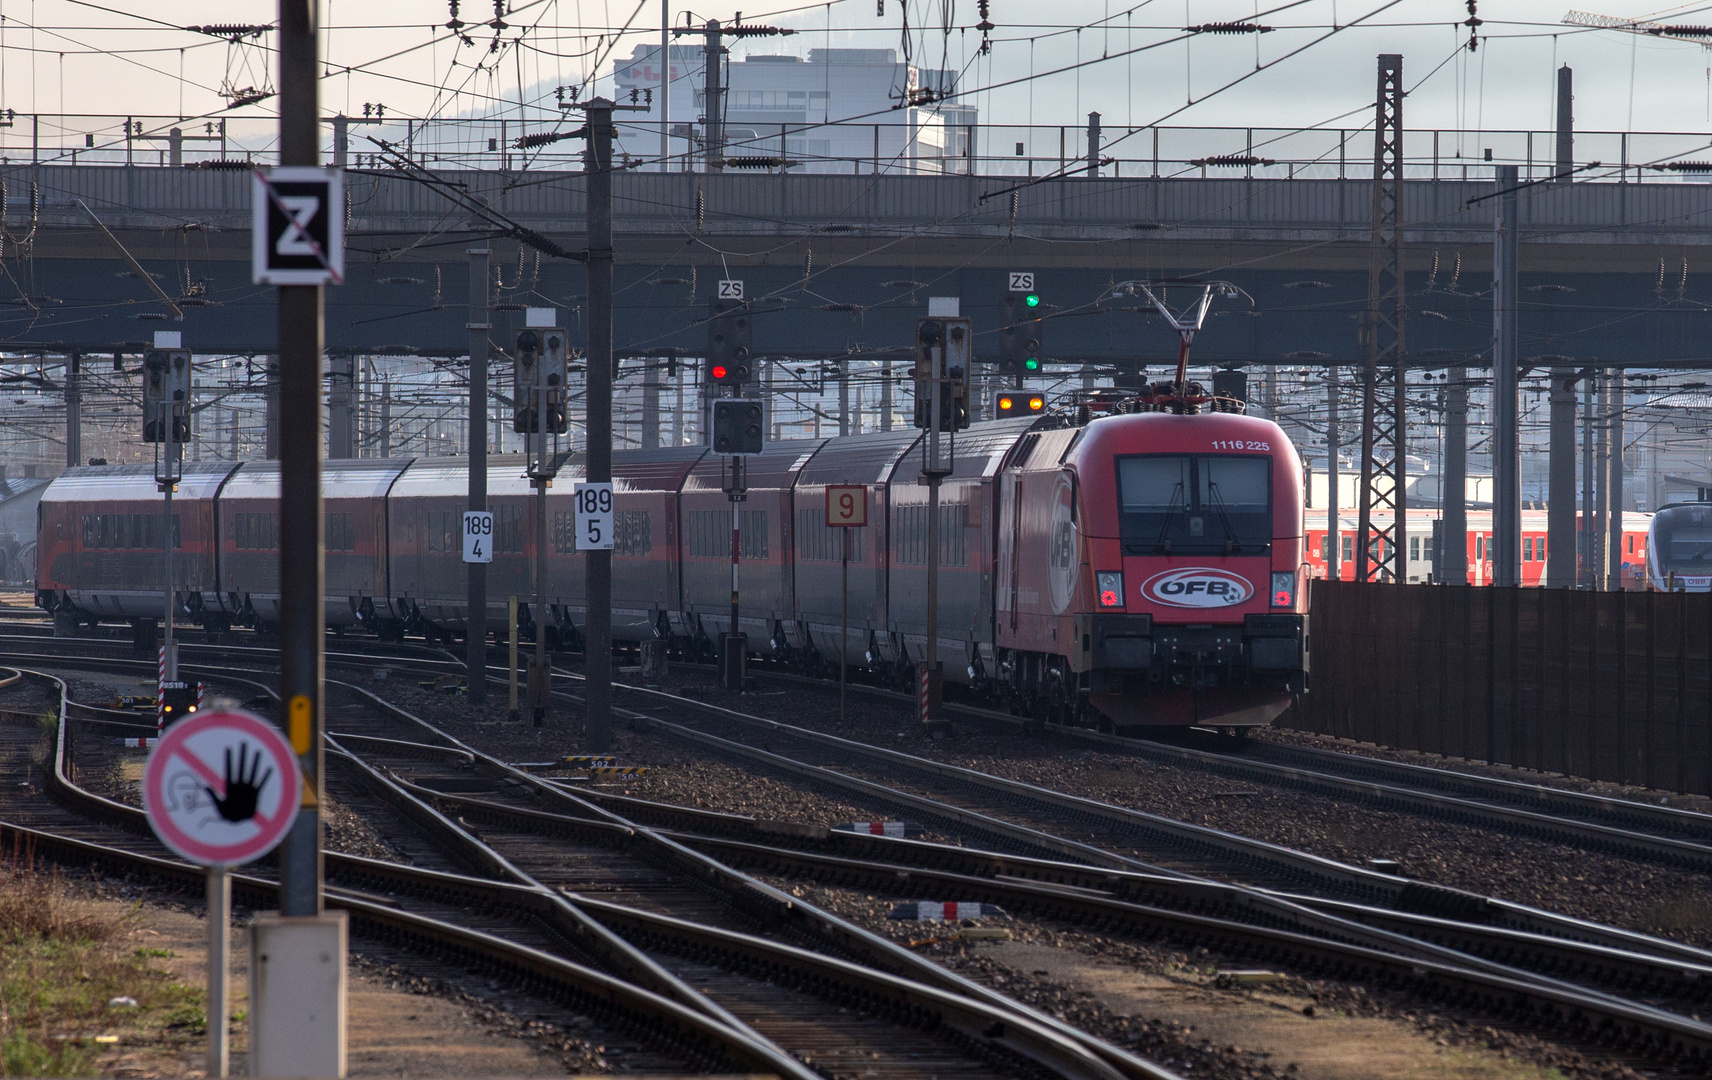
(221, 789)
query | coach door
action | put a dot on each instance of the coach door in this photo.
(1010, 530)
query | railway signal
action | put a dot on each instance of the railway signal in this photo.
(730, 340)
(1017, 403)
(1020, 338)
(943, 358)
(738, 426)
(538, 380)
(166, 395)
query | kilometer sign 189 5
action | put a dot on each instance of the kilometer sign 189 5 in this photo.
(221, 789)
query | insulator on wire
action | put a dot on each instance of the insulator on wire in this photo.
(1229, 28)
(1232, 161)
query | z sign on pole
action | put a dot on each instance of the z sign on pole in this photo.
(297, 226)
(478, 536)
(221, 789)
(594, 516)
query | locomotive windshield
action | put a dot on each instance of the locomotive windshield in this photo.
(1682, 539)
(1195, 504)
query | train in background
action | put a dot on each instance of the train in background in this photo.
(1143, 568)
(1679, 547)
(1423, 527)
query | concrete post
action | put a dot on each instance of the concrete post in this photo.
(1614, 485)
(1453, 513)
(1560, 498)
(1506, 393)
(1565, 127)
(650, 406)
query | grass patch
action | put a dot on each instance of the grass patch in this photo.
(62, 960)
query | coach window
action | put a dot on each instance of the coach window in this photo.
(1348, 546)
(1415, 549)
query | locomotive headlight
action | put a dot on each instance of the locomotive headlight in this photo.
(1110, 586)
(1283, 589)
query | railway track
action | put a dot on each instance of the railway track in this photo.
(1622, 827)
(925, 1030)
(1521, 996)
(77, 827)
(1678, 967)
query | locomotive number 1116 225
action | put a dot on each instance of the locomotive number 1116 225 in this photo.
(1239, 444)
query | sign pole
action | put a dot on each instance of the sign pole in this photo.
(302, 620)
(475, 621)
(219, 944)
(844, 623)
(846, 509)
(511, 608)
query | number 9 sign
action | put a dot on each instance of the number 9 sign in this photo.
(846, 506)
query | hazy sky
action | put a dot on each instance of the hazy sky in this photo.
(61, 55)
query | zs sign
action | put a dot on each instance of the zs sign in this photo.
(297, 226)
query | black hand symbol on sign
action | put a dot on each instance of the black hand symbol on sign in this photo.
(241, 790)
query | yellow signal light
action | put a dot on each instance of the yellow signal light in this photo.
(1035, 404)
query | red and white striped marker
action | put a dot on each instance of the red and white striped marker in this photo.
(898, 830)
(160, 695)
(944, 911)
(925, 685)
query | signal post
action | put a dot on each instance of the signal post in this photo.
(540, 372)
(943, 353)
(167, 378)
(737, 430)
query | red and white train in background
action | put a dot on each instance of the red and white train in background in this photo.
(1144, 568)
(1636, 543)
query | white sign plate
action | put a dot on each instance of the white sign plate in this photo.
(944, 307)
(731, 289)
(541, 316)
(1022, 281)
(297, 226)
(221, 789)
(478, 536)
(594, 516)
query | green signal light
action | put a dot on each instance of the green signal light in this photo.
(1031, 364)
(1032, 299)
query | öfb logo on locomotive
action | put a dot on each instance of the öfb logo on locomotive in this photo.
(1197, 587)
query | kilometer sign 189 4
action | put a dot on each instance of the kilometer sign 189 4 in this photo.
(221, 789)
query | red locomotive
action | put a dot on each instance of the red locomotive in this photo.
(1143, 568)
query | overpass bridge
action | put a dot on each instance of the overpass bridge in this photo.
(840, 265)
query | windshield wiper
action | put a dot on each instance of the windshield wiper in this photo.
(1171, 511)
(1232, 542)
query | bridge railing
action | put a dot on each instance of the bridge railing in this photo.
(1612, 686)
(924, 143)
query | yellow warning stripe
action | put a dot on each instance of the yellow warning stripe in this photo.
(620, 770)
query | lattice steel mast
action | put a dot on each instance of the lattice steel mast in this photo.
(1384, 467)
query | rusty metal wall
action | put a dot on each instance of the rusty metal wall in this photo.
(1613, 686)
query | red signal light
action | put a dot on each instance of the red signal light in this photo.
(1281, 599)
(719, 371)
(1109, 598)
